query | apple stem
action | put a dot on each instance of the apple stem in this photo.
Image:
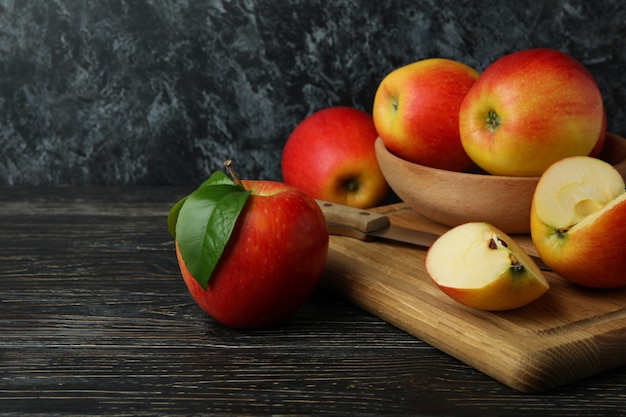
(493, 121)
(231, 170)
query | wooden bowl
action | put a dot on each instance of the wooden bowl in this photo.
(452, 198)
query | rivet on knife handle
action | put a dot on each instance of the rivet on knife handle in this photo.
(350, 221)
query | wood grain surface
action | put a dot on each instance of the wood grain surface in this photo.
(568, 334)
(95, 320)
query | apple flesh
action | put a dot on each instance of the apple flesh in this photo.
(577, 222)
(330, 155)
(529, 109)
(416, 112)
(480, 266)
(272, 262)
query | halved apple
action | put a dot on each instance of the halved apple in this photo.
(578, 221)
(480, 266)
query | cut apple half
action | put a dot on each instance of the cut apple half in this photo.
(575, 188)
(480, 266)
(578, 221)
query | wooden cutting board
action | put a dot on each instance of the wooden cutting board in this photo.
(568, 334)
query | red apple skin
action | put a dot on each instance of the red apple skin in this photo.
(593, 257)
(330, 155)
(272, 262)
(416, 112)
(549, 106)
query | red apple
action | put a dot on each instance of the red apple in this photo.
(271, 263)
(529, 109)
(416, 112)
(330, 155)
(577, 221)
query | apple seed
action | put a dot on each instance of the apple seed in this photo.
(494, 245)
(516, 266)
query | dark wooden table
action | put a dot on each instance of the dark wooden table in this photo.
(95, 319)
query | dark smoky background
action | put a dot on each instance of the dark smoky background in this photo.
(161, 92)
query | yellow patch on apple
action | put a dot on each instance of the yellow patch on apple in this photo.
(578, 222)
(480, 266)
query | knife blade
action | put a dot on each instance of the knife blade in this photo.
(367, 225)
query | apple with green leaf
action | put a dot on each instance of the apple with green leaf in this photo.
(578, 221)
(529, 109)
(481, 267)
(330, 155)
(250, 252)
(416, 112)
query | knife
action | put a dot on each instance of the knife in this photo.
(367, 226)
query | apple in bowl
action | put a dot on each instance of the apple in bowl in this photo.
(416, 112)
(529, 109)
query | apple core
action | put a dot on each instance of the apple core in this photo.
(574, 188)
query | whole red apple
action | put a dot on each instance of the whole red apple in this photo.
(271, 263)
(529, 109)
(330, 155)
(416, 112)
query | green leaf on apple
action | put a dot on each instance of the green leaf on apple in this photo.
(172, 217)
(203, 222)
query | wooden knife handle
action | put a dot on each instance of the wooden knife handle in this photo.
(350, 221)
